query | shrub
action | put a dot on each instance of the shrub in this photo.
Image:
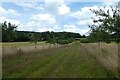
(84, 40)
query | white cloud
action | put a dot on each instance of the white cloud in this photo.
(85, 22)
(84, 31)
(13, 21)
(44, 18)
(113, 4)
(48, 14)
(84, 13)
(45, 29)
(70, 28)
(40, 23)
(36, 26)
(27, 5)
(84, 17)
(8, 12)
(11, 12)
(4, 14)
(56, 27)
(64, 9)
(2, 11)
(56, 7)
(76, 29)
(52, 6)
(59, 1)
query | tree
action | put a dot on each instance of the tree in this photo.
(22, 36)
(107, 23)
(8, 31)
(98, 35)
(34, 38)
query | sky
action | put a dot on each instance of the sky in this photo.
(57, 16)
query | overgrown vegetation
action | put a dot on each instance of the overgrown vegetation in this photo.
(71, 61)
(74, 60)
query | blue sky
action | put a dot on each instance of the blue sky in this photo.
(50, 16)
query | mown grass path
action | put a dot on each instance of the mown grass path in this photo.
(71, 61)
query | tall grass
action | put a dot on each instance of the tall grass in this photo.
(107, 54)
(24, 47)
(69, 61)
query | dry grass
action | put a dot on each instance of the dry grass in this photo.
(0, 60)
(75, 60)
(69, 61)
(107, 54)
(20, 50)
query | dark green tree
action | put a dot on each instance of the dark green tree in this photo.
(8, 31)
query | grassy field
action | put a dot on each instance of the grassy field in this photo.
(107, 54)
(72, 61)
(22, 44)
(22, 47)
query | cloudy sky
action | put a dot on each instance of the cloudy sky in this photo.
(50, 16)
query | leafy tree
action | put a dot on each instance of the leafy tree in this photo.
(8, 31)
(107, 24)
(98, 35)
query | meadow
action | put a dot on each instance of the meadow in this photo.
(23, 47)
(21, 44)
(76, 60)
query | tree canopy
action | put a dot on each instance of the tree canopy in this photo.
(8, 31)
(106, 25)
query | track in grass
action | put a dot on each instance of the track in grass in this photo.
(71, 61)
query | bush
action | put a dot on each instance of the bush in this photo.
(84, 40)
(63, 42)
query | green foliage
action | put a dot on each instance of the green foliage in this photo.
(99, 35)
(62, 37)
(60, 41)
(52, 41)
(106, 25)
(34, 38)
(62, 62)
(84, 40)
(22, 36)
(8, 31)
(63, 42)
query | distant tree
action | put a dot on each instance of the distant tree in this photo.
(34, 38)
(83, 36)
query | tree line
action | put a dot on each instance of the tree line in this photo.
(10, 34)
